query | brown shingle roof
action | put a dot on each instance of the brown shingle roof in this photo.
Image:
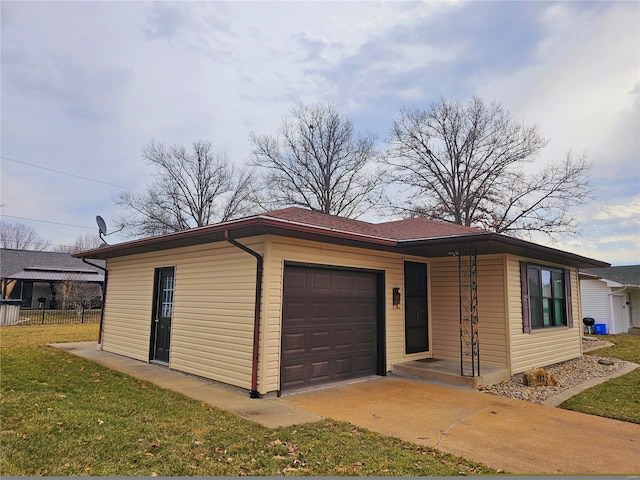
(417, 236)
(415, 228)
(408, 229)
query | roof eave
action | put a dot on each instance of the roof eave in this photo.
(489, 242)
(484, 242)
(251, 226)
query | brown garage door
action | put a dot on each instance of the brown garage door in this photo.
(329, 326)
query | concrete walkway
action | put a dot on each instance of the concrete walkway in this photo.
(573, 391)
(512, 435)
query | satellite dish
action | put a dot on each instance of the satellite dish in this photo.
(102, 230)
(102, 226)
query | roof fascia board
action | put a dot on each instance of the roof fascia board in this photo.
(499, 239)
(262, 224)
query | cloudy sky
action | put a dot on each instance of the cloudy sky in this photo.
(86, 84)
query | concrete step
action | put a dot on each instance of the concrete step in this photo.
(448, 373)
(634, 331)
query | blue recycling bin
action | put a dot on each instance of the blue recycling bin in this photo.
(600, 328)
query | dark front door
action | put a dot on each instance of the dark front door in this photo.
(416, 332)
(162, 311)
(329, 326)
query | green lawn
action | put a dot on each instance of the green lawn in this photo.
(64, 415)
(619, 397)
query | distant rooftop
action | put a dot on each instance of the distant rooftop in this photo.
(626, 275)
(47, 266)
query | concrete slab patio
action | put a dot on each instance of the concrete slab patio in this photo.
(512, 435)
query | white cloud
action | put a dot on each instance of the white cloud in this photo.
(85, 85)
(629, 211)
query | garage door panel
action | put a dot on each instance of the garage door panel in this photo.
(332, 323)
(319, 371)
(293, 375)
(295, 311)
(343, 338)
(344, 366)
(364, 337)
(321, 282)
(319, 341)
(363, 362)
(344, 283)
(366, 286)
(297, 282)
(293, 343)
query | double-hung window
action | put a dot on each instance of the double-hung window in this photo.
(546, 297)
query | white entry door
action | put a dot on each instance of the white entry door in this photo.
(618, 320)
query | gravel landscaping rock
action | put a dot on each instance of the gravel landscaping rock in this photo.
(593, 343)
(568, 374)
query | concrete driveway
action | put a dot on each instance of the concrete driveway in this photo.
(512, 435)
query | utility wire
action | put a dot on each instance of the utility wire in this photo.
(46, 221)
(68, 174)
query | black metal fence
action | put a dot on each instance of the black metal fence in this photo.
(46, 316)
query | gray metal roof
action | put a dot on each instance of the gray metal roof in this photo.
(42, 276)
(46, 266)
(626, 275)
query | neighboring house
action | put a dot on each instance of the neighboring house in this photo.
(294, 298)
(612, 296)
(40, 279)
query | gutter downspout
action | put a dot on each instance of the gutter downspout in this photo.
(253, 393)
(104, 299)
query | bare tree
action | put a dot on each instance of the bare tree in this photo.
(317, 161)
(190, 189)
(80, 295)
(19, 236)
(81, 243)
(469, 164)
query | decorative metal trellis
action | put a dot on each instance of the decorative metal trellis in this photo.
(468, 290)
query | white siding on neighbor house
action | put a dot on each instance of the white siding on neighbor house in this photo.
(212, 322)
(445, 304)
(595, 300)
(546, 346)
(281, 249)
(634, 300)
(607, 304)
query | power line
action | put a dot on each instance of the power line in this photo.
(47, 221)
(68, 174)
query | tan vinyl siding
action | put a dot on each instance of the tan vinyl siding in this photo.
(541, 347)
(445, 309)
(281, 249)
(127, 314)
(212, 322)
